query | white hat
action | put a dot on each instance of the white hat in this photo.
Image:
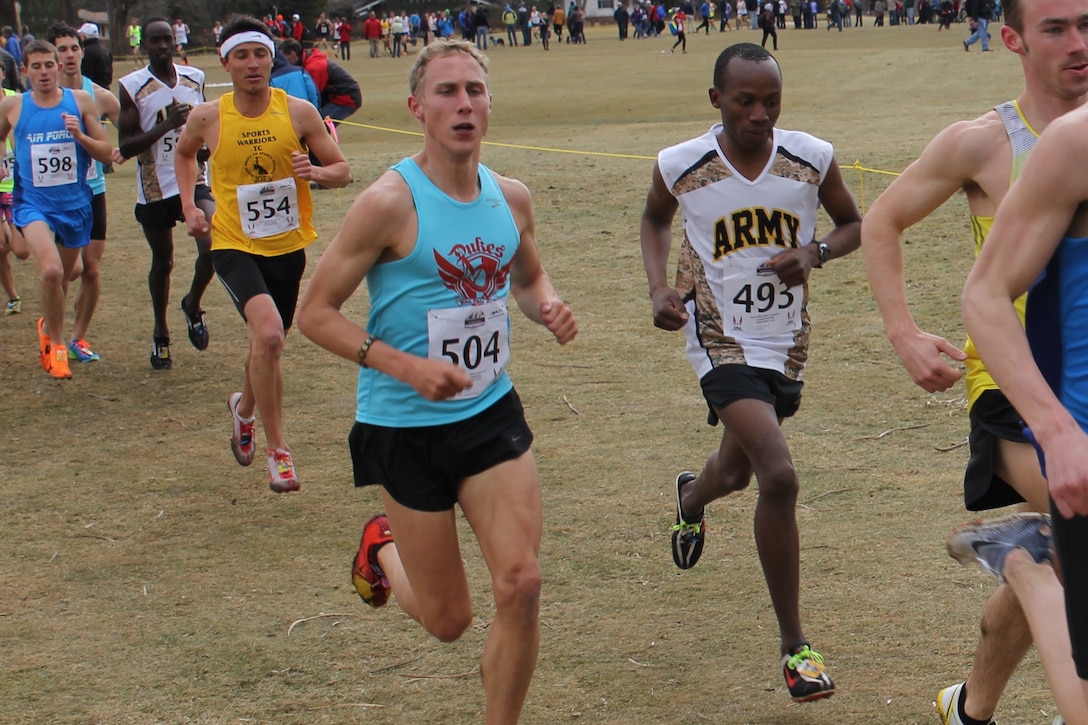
(88, 30)
(295, 16)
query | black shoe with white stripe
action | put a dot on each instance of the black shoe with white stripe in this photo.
(687, 538)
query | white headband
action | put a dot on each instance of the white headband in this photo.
(248, 36)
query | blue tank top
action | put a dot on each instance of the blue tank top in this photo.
(458, 270)
(1071, 318)
(50, 166)
(96, 177)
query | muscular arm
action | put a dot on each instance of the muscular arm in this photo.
(109, 107)
(200, 130)
(133, 139)
(334, 171)
(794, 265)
(1029, 225)
(529, 282)
(655, 234)
(107, 104)
(948, 163)
(379, 225)
(93, 137)
(10, 107)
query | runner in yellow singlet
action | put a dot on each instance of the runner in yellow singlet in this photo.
(258, 137)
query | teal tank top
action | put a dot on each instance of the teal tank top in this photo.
(96, 177)
(445, 300)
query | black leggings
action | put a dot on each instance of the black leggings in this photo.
(1071, 540)
(769, 31)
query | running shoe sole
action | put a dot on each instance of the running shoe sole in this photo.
(990, 542)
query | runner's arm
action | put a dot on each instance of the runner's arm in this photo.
(9, 108)
(92, 136)
(190, 143)
(334, 172)
(133, 139)
(939, 172)
(377, 224)
(109, 107)
(794, 265)
(1029, 225)
(655, 234)
(530, 285)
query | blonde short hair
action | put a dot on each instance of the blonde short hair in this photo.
(442, 49)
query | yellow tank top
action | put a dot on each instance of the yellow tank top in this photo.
(260, 207)
(1022, 138)
(978, 378)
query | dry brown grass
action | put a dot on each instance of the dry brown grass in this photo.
(147, 578)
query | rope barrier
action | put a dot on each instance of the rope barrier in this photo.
(510, 145)
(856, 166)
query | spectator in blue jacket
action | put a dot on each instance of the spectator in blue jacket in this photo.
(289, 76)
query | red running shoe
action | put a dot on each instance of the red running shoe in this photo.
(366, 575)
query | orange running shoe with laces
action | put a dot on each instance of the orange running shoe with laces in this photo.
(58, 363)
(366, 575)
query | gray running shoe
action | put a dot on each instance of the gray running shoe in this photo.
(989, 542)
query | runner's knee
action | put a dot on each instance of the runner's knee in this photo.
(778, 481)
(268, 339)
(517, 590)
(450, 622)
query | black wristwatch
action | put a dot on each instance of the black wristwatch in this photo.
(823, 252)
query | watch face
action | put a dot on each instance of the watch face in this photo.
(825, 252)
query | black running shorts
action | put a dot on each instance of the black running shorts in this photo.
(157, 216)
(727, 384)
(992, 418)
(247, 275)
(422, 468)
(98, 216)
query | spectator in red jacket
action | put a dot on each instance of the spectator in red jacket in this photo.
(340, 93)
(372, 31)
(345, 39)
(297, 28)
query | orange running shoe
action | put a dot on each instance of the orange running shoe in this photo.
(43, 345)
(58, 363)
(366, 575)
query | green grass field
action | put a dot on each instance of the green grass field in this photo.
(147, 578)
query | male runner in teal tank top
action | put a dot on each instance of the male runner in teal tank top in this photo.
(442, 367)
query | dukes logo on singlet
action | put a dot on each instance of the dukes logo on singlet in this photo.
(755, 227)
(474, 271)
